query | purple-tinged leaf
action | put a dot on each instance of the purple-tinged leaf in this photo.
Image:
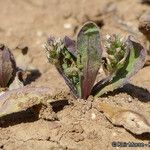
(7, 66)
(133, 63)
(64, 61)
(70, 45)
(23, 98)
(89, 53)
(69, 83)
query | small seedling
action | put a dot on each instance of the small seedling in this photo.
(14, 96)
(7, 66)
(79, 61)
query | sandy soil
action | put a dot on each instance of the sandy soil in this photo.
(29, 23)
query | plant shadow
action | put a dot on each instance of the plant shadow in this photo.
(146, 2)
(17, 118)
(31, 114)
(140, 93)
(59, 105)
(143, 136)
(34, 74)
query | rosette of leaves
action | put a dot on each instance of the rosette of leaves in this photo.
(79, 61)
(7, 66)
(124, 59)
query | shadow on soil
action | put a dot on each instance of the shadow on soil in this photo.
(140, 93)
(31, 114)
(17, 118)
(35, 74)
(59, 105)
(144, 136)
(146, 2)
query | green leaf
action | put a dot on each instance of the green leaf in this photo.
(61, 53)
(134, 62)
(88, 57)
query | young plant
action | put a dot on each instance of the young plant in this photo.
(125, 59)
(7, 66)
(14, 96)
(79, 61)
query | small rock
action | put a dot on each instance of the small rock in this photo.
(67, 25)
(129, 100)
(114, 134)
(93, 116)
(39, 33)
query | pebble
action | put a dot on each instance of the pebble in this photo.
(39, 33)
(129, 100)
(93, 116)
(67, 25)
(114, 134)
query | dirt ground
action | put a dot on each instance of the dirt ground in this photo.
(29, 23)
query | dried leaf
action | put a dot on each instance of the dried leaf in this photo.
(7, 66)
(133, 63)
(23, 98)
(18, 81)
(88, 57)
(130, 120)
